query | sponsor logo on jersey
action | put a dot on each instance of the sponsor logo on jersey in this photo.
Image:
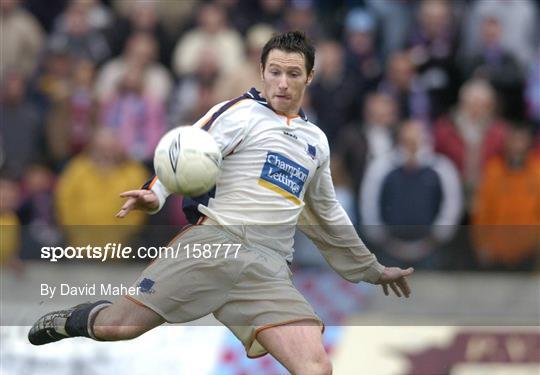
(290, 134)
(283, 176)
(312, 151)
(145, 286)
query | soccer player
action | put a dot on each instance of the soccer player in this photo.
(275, 174)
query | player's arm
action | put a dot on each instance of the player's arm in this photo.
(224, 123)
(326, 223)
(150, 198)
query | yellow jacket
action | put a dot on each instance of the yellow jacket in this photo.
(10, 239)
(87, 200)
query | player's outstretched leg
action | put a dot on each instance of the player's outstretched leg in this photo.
(124, 320)
(103, 321)
(71, 322)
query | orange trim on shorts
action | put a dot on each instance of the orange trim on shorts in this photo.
(182, 232)
(137, 302)
(256, 356)
(272, 325)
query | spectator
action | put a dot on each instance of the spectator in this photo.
(248, 74)
(361, 143)
(46, 12)
(98, 16)
(196, 93)
(175, 16)
(494, 63)
(75, 34)
(141, 16)
(53, 82)
(20, 126)
(141, 50)
(411, 201)
(137, 118)
(246, 14)
(396, 19)
(82, 201)
(36, 212)
(243, 15)
(335, 95)
(532, 92)
(403, 84)
(519, 20)
(21, 38)
(432, 46)
(363, 59)
(212, 33)
(300, 15)
(271, 11)
(10, 239)
(471, 134)
(71, 119)
(506, 215)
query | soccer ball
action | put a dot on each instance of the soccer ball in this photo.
(187, 161)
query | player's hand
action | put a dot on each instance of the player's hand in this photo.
(145, 200)
(395, 278)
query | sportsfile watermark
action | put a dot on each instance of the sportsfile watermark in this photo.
(90, 263)
(118, 251)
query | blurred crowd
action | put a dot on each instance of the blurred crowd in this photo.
(432, 110)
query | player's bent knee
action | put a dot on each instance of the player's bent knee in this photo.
(320, 366)
(326, 366)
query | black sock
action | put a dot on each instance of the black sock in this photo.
(81, 320)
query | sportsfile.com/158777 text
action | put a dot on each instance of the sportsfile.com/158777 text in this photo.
(118, 251)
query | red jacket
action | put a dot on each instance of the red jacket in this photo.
(449, 142)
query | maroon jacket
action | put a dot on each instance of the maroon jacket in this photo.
(449, 142)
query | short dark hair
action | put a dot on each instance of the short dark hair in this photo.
(291, 41)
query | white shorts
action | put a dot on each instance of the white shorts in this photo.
(248, 291)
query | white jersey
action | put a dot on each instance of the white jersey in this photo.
(275, 173)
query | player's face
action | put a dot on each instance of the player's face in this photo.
(284, 81)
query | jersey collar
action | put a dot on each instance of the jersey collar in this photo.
(254, 94)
